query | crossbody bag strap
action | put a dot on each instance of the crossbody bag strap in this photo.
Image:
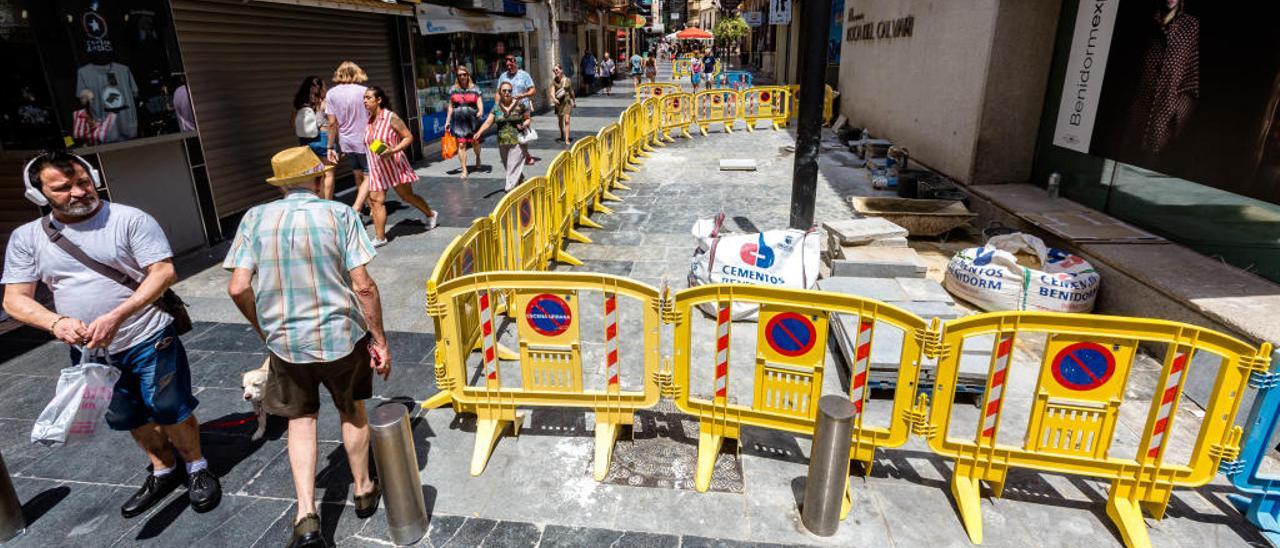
(76, 253)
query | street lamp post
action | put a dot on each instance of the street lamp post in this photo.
(816, 17)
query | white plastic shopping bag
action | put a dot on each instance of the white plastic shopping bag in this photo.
(75, 413)
(990, 276)
(782, 258)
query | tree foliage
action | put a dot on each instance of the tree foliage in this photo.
(731, 28)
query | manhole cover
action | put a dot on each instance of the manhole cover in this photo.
(663, 453)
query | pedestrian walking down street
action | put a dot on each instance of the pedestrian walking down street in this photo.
(345, 102)
(563, 98)
(606, 72)
(695, 73)
(522, 90)
(512, 118)
(299, 277)
(72, 251)
(637, 68)
(651, 70)
(589, 73)
(313, 125)
(466, 109)
(709, 69)
(386, 139)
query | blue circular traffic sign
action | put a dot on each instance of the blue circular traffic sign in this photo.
(526, 213)
(548, 315)
(790, 334)
(1083, 366)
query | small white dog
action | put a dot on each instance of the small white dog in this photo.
(254, 384)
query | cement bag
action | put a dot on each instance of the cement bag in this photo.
(75, 413)
(991, 278)
(781, 258)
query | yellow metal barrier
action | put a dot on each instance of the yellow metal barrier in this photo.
(645, 91)
(771, 103)
(680, 68)
(562, 193)
(1081, 384)
(790, 358)
(632, 131)
(547, 308)
(525, 230)
(677, 113)
(715, 106)
(589, 165)
(652, 123)
(611, 153)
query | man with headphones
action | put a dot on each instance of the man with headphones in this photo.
(73, 251)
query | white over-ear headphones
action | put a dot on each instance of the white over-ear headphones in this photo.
(32, 191)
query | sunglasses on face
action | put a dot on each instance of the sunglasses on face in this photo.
(504, 91)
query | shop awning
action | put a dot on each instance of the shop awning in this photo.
(694, 33)
(369, 6)
(433, 19)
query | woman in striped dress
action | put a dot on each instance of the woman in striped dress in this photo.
(386, 138)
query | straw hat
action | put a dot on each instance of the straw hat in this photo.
(297, 164)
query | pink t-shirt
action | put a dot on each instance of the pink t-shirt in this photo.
(346, 103)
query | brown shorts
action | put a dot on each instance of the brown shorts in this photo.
(293, 389)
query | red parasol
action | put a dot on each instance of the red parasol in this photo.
(694, 33)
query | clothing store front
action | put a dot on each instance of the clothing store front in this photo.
(107, 81)
(1173, 126)
(448, 38)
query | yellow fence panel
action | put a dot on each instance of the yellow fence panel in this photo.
(646, 90)
(548, 311)
(717, 106)
(680, 68)
(1079, 389)
(769, 103)
(611, 146)
(525, 229)
(677, 114)
(790, 365)
(652, 114)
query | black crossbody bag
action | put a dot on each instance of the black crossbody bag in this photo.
(169, 302)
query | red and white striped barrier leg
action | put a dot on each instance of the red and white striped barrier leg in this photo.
(1168, 397)
(487, 341)
(861, 367)
(995, 386)
(611, 341)
(722, 353)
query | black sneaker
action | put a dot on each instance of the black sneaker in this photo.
(204, 490)
(153, 490)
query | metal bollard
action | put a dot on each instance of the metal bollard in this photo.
(12, 523)
(828, 466)
(397, 462)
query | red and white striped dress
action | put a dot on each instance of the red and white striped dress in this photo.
(386, 171)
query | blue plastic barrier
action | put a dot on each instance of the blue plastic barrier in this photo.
(1261, 502)
(736, 80)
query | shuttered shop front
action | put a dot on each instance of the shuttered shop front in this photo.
(244, 62)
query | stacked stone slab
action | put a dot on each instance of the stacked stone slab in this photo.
(871, 247)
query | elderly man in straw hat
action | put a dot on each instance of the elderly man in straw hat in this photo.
(298, 275)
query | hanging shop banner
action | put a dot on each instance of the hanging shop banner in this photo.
(1188, 91)
(779, 12)
(433, 19)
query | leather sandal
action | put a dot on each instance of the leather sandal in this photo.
(367, 504)
(306, 533)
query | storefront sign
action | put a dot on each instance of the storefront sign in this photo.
(1090, 46)
(779, 12)
(859, 31)
(434, 19)
(753, 18)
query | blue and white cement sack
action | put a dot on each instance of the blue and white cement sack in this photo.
(779, 258)
(991, 278)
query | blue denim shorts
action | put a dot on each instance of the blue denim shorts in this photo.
(154, 385)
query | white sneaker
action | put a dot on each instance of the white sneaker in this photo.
(432, 220)
(379, 242)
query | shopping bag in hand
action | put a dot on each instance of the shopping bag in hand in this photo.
(75, 413)
(448, 146)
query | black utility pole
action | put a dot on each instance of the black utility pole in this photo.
(816, 17)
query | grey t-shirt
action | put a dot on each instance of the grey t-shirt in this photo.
(119, 236)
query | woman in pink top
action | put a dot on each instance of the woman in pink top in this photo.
(386, 139)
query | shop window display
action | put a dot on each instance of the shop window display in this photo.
(439, 55)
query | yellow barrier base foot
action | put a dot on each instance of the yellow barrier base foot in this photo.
(620, 186)
(584, 220)
(685, 133)
(504, 353)
(847, 504)
(441, 399)
(576, 236)
(565, 258)
(606, 436)
(751, 127)
(609, 196)
(775, 126)
(631, 166)
(487, 433)
(659, 142)
(708, 449)
(968, 492)
(702, 130)
(1127, 515)
(728, 127)
(601, 208)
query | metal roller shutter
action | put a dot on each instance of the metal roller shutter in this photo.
(244, 61)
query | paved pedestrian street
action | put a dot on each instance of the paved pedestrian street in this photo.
(537, 489)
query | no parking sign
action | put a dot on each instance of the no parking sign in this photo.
(548, 318)
(792, 336)
(1085, 369)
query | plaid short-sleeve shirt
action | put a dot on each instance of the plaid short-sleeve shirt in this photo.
(301, 250)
